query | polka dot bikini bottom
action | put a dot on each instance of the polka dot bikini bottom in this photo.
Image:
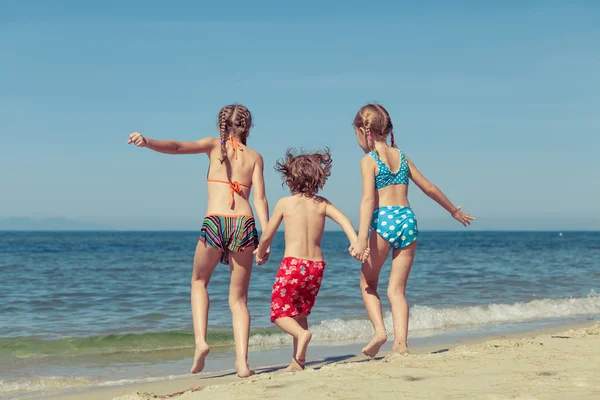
(396, 224)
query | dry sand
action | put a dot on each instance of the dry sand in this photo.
(537, 366)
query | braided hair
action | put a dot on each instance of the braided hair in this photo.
(234, 121)
(377, 124)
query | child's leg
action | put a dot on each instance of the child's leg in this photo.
(241, 267)
(401, 263)
(205, 261)
(298, 328)
(369, 279)
(303, 322)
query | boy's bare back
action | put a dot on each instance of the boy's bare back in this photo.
(303, 212)
(304, 223)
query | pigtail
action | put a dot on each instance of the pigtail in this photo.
(376, 121)
(244, 123)
(370, 140)
(223, 131)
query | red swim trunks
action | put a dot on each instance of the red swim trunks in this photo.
(296, 287)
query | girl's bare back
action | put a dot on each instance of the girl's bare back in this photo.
(233, 177)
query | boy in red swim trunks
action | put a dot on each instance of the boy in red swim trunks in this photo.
(299, 276)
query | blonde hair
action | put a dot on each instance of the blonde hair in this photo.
(235, 121)
(377, 124)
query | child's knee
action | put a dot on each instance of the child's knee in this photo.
(235, 301)
(396, 291)
(196, 281)
(368, 284)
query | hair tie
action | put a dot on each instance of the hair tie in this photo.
(369, 137)
(222, 140)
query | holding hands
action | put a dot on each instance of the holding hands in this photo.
(262, 258)
(359, 250)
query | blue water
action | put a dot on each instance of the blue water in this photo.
(67, 294)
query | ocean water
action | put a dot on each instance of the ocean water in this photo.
(97, 308)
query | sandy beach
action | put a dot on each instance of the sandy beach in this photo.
(555, 363)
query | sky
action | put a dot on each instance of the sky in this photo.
(496, 103)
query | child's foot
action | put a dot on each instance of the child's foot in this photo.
(397, 350)
(396, 353)
(295, 366)
(242, 369)
(200, 354)
(303, 341)
(375, 344)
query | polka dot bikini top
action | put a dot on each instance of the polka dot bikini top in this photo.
(385, 177)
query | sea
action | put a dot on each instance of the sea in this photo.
(88, 309)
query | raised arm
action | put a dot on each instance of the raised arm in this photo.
(171, 146)
(268, 233)
(437, 195)
(260, 198)
(339, 218)
(367, 204)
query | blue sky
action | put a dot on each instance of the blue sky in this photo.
(496, 104)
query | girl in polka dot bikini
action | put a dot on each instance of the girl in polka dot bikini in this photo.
(386, 210)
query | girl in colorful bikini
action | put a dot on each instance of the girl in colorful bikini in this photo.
(299, 276)
(386, 210)
(228, 227)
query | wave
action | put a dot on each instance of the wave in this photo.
(427, 321)
(424, 321)
(26, 347)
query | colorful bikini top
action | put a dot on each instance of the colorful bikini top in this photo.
(385, 177)
(235, 186)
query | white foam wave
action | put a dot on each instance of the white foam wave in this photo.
(426, 321)
(49, 383)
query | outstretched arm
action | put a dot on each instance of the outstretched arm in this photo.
(171, 146)
(268, 233)
(260, 198)
(437, 195)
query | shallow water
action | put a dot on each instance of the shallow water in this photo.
(123, 297)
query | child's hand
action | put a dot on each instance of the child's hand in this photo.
(461, 217)
(137, 139)
(261, 259)
(359, 250)
(361, 257)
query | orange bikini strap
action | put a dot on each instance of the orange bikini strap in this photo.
(236, 145)
(235, 187)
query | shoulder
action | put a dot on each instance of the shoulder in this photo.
(321, 200)
(211, 140)
(284, 201)
(256, 156)
(368, 161)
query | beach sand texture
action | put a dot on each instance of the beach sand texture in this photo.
(549, 366)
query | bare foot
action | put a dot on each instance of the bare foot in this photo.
(200, 354)
(303, 341)
(295, 366)
(375, 344)
(242, 369)
(395, 353)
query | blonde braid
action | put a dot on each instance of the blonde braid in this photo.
(224, 121)
(370, 140)
(244, 123)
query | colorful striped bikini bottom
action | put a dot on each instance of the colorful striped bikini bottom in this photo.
(229, 233)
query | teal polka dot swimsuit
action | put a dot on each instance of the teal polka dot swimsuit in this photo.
(396, 224)
(385, 177)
